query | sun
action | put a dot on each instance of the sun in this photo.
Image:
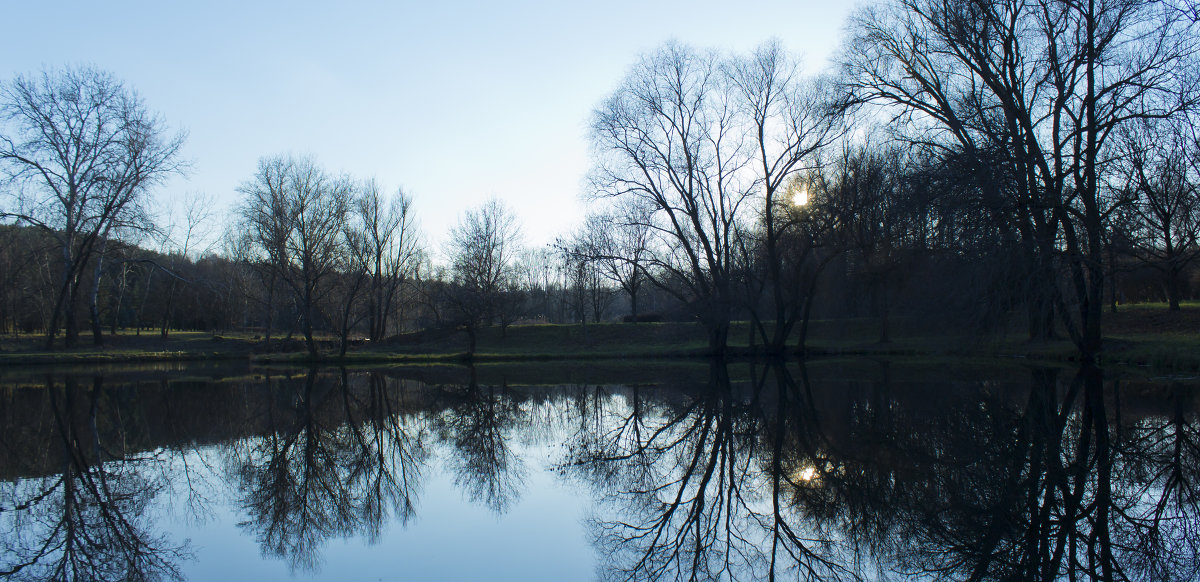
(798, 196)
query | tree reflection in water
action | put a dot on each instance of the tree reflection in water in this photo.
(685, 494)
(1056, 487)
(321, 471)
(786, 479)
(479, 422)
(88, 521)
(778, 475)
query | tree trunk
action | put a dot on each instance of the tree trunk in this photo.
(718, 337)
(116, 318)
(1093, 222)
(885, 332)
(57, 315)
(1174, 289)
(71, 336)
(94, 295)
(142, 306)
(346, 310)
(52, 328)
(804, 319)
(309, 342)
(270, 309)
(168, 311)
(1112, 279)
(1041, 316)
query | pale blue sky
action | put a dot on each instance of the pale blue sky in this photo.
(454, 101)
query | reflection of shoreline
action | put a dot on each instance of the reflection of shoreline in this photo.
(787, 459)
(1055, 483)
(157, 413)
(88, 520)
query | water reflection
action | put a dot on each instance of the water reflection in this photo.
(1057, 484)
(782, 479)
(83, 516)
(695, 489)
(479, 421)
(334, 460)
(761, 472)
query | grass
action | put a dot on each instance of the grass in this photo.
(1138, 335)
(127, 347)
(1148, 334)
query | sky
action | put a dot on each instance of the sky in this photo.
(454, 101)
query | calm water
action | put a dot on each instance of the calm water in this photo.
(850, 470)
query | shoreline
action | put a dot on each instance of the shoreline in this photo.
(1159, 352)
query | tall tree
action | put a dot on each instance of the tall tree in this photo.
(1160, 163)
(393, 251)
(294, 212)
(707, 142)
(669, 136)
(789, 124)
(83, 152)
(1044, 85)
(590, 262)
(483, 249)
(876, 221)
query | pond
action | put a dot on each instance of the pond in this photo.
(835, 470)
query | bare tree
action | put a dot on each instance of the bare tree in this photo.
(393, 252)
(590, 261)
(669, 136)
(483, 249)
(82, 151)
(380, 257)
(706, 142)
(1040, 87)
(619, 243)
(350, 276)
(295, 212)
(1160, 178)
(540, 279)
(875, 221)
(194, 228)
(789, 124)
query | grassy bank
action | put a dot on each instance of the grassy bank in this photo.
(128, 347)
(1140, 335)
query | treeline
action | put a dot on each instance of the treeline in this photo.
(139, 289)
(145, 291)
(968, 163)
(1004, 152)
